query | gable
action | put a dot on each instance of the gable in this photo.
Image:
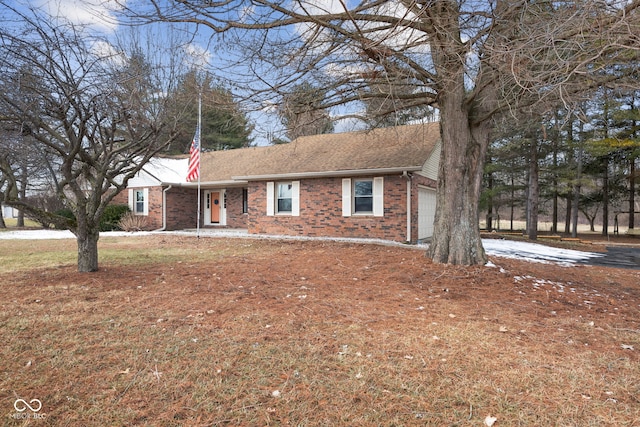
(430, 167)
(160, 170)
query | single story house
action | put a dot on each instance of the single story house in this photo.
(374, 184)
(8, 211)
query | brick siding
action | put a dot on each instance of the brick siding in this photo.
(321, 211)
(154, 219)
(182, 204)
(235, 217)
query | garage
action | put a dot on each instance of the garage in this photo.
(426, 212)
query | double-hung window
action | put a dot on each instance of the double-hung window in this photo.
(139, 201)
(284, 193)
(363, 196)
(283, 198)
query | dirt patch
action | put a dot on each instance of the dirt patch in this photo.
(260, 332)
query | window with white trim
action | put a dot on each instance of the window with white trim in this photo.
(283, 198)
(284, 192)
(363, 196)
(139, 201)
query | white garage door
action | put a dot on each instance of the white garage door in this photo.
(426, 212)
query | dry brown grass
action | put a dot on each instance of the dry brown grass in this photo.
(176, 331)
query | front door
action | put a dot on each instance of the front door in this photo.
(214, 198)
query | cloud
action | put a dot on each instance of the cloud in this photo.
(198, 56)
(97, 14)
(377, 31)
(105, 50)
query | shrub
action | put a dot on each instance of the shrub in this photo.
(65, 213)
(132, 222)
(111, 217)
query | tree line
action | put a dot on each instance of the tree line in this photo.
(569, 165)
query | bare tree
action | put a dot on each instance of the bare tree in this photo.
(472, 60)
(94, 114)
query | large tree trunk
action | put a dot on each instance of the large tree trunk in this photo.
(456, 237)
(87, 238)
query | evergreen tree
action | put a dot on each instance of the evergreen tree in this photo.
(224, 125)
(302, 113)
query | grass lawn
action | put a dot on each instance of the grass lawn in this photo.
(12, 223)
(179, 331)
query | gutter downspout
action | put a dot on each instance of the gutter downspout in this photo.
(164, 208)
(409, 179)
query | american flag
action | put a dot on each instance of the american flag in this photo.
(193, 173)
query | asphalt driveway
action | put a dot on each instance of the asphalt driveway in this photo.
(617, 256)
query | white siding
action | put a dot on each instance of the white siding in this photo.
(430, 167)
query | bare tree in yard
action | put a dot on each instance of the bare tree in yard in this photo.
(472, 60)
(95, 118)
(22, 155)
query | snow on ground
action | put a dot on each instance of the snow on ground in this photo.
(535, 252)
(532, 252)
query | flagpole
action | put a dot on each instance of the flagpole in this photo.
(200, 149)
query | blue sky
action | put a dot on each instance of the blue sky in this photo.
(100, 17)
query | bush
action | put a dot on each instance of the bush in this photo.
(112, 216)
(132, 222)
(65, 213)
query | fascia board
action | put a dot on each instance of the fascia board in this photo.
(231, 183)
(325, 174)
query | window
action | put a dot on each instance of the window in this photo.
(283, 198)
(284, 193)
(139, 201)
(245, 200)
(139, 205)
(363, 196)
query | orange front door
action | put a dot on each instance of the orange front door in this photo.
(215, 207)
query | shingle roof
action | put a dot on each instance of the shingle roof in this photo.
(386, 148)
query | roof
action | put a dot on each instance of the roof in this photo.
(385, 149)
(160, 169)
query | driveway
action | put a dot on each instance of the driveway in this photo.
(619, 257)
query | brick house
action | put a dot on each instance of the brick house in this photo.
(374, 184)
